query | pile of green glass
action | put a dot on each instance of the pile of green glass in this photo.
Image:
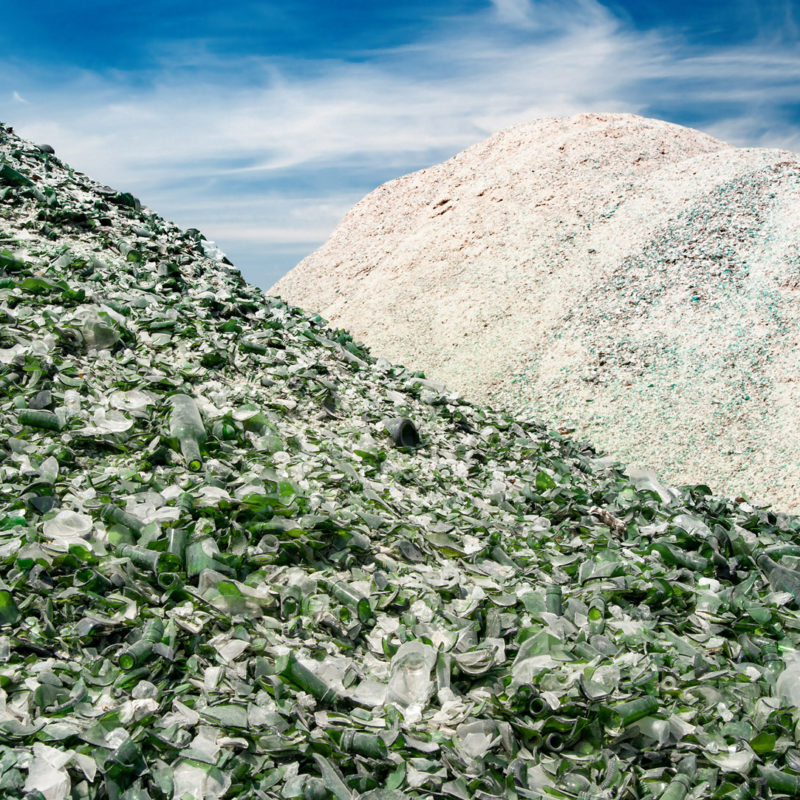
(241, 557)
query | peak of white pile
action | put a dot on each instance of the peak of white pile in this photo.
(630, 278)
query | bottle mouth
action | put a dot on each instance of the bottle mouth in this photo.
(191, 454)
(403, 432)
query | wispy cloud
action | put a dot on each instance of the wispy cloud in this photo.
(218, 144)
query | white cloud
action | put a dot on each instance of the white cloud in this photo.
(195, 144)
(18, 98)
(513, 11)
(280, 234)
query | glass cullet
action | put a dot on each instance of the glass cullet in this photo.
(186, 426)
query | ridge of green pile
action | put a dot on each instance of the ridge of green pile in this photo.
(309, 610)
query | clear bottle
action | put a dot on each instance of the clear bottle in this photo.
(787, 685)
(410, 681)
(781, 579)
(186, 426)
(98, 330)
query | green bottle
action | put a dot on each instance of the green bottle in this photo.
(112, 513)
(153, 560)
(363, 744)
(153, 631)
(186, 426)
(137, 654)
(252, 347)
(224, 429)
(289, 667)
(552, 599)
(291, 601)
(45, 420)
(176, 544)
(677, 789)
(624, 714)
(350, 597)
(169, 582)
(597, 615)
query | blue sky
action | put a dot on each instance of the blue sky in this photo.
(261, 123)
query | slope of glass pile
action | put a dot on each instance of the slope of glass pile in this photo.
(310, 608)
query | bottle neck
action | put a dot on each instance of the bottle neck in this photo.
(191, 452)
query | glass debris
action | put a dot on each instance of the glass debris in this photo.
(220, 577)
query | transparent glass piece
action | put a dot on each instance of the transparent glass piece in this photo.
(410, 679)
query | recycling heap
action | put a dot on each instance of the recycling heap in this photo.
(241, 557)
